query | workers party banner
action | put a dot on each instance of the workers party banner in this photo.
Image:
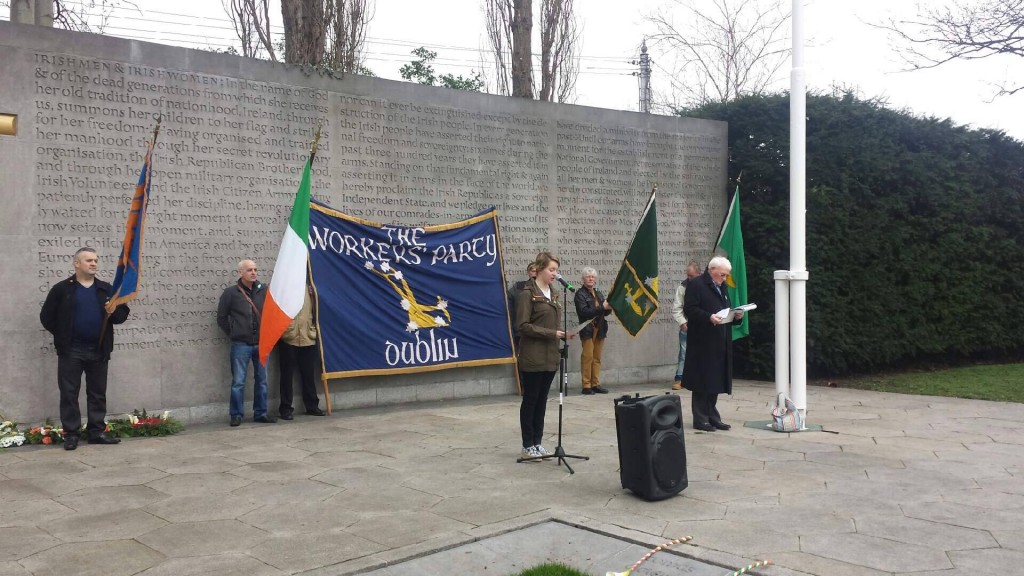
(394, 299)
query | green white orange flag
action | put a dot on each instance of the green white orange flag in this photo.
(288, 284)
(730, 245)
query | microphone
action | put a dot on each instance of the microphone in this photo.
(565, 284)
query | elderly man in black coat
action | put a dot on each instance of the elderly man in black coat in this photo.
(707, 369)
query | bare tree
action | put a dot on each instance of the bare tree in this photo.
(498, 16)
(346, 34)
(962, 32)
(85, 15)
(251, 19)
(510, 32)
(328, 34)
(305, 31)
(559, 50)
(723, 48)
(521, 28)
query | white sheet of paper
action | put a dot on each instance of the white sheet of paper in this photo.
(729, 314)
(579, 327)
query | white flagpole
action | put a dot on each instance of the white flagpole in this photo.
(797, 215)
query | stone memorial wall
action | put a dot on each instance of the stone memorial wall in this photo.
(234, 137)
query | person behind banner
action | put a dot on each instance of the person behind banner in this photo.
(692, 271)
(708, 364)
(297, 350)
(591, 305)
(83, 336)
(513, 291)
(238, 315)
(539, 318)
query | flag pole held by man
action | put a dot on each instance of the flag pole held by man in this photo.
(288, 284)
(129, 266)
(634, 294)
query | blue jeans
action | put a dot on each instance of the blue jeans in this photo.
(682, 355)
(241, 355)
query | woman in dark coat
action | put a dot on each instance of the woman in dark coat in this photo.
(539, 319)
(707, 369)
(591, 305)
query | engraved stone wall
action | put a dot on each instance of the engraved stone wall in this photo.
(234, 138)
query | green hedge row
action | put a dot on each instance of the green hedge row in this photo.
(915, 234)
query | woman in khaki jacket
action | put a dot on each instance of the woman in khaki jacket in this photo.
(538, 318)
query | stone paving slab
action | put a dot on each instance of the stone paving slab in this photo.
(907, 485)
(552, 542)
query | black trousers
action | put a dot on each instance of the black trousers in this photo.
(704, 408)
(70, 368)
(302, 358)
(536, 386)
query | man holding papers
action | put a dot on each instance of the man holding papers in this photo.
(707, 369)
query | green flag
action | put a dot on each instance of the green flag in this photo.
(634, 295)
(730, 245)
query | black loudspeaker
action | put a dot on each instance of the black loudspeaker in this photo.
(652, 456)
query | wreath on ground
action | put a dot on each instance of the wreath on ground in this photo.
(136, 424)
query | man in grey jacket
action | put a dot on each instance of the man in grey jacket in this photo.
(692, 271)
(238, 315)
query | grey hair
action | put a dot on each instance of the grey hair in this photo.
(588, 271)
(720, 262)
(241, 264)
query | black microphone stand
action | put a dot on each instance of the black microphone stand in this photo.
(563, 390)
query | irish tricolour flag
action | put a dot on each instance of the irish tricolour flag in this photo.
(288, 285)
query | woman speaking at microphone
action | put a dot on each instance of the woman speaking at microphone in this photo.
(538, 318)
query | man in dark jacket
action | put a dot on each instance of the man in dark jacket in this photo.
(707, 369)
(83, 336)
(238, 315)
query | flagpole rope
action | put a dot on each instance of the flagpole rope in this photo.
(659, 548)
(750, 567)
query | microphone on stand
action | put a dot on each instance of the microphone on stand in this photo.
(565, 284)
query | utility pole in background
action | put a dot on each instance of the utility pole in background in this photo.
(645, 79)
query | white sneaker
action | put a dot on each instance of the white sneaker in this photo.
(530, 452)
(541, 451)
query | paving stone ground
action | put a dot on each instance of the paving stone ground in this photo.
(894, 485)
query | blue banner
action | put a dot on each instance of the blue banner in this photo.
(394, 299)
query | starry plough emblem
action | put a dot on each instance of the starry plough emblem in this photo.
(420, 315)
(634, 294)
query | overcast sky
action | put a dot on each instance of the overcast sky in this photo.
(843, 50)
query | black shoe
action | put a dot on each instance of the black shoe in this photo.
(704, 427)
(588, 391)
(287, 416)
(721, 425)
(70, 442)
(104, 439)
(265, 419)
(315, 412)
(599, 390)
(236, 420)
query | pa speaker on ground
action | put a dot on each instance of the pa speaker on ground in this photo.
(652, 454)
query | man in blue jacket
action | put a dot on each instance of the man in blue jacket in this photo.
(83, 336)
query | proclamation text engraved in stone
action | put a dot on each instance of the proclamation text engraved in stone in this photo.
(405, 162)
(615, 168)
(225, 169)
